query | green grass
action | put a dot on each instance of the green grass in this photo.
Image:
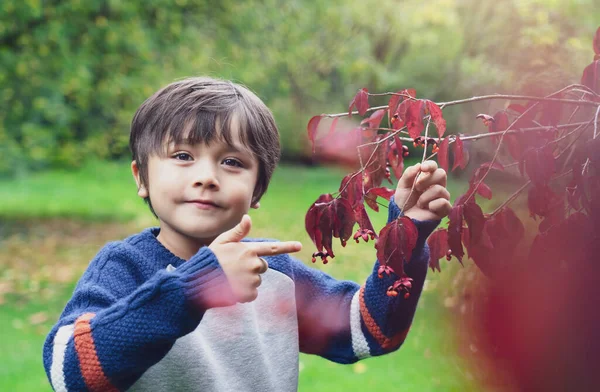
(105, 191)
(97, 191)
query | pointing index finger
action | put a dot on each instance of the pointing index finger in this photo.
(275, 248)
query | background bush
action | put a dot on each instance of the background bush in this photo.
(72, 72)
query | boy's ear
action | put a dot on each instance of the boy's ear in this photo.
(256, 205)
(135, 170)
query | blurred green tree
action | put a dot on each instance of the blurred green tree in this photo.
(72, 72)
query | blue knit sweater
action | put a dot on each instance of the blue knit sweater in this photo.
(143, 319)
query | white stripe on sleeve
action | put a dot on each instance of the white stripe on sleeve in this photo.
(359, 342)
(57, 374)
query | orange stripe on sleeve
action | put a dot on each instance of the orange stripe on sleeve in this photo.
(92, 372)
(374, 329)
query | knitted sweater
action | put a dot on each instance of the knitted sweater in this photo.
(141, 318)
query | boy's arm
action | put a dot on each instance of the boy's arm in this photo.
(345, 322)
(105, 342)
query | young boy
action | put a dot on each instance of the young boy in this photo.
(194, 305)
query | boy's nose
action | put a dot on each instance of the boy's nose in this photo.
(206, 177)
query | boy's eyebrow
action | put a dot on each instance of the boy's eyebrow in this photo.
(230, 147)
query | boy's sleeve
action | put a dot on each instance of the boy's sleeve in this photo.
(345, 322)
(105, 341)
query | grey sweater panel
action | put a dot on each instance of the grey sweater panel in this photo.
(245, 347)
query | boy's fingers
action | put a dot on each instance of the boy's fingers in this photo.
(239, 232)
(263, 266)
(408, 177)
(427, 179)
(440, 207)
(433, 193)
(274, 248)
(429, 166)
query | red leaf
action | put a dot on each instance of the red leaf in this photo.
(597, 42)
(372, 203)
(438, 248)
(515, 146)
(313, 219)
(366, 230)
(437, 118)
(376, 170)
(527, 117)
(475, 220)
(551, 112)
(564, 241)
(413, 117)
(455, 231)
(484, 191)
(591, 76)
(361, 101)
(327, 218)
(542, 201)
(396, 157)
(459, 155)
(502, 232)
(478, 175)
(515, 107)
(393, 105)
(396, 243)
(375, 120)
(351, 189)
(313, 123)
(332, 126)
(443, 154)
(482, 170)
(344, 220)
(539, 164)
(499, 124)
(384, 192)
(411, 92)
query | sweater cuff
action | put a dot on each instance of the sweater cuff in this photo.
(425, 228)
(204, 282)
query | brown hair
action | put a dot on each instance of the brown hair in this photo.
(201, 110)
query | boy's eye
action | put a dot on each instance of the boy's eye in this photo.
(183, 156)
(232, 162)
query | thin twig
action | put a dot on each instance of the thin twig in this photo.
(422, 160)
(587, 161)
(510, 199)
(492, 97)
(521, 189)
(596, 122)
(498, 150)
(517, 97)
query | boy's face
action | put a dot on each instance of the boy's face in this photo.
(199, 191)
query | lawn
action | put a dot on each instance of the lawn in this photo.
(52, 223)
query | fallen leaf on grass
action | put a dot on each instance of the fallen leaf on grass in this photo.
(38, 318)
(359, 368)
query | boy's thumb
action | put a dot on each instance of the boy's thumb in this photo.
(409, 175)
(238, 233)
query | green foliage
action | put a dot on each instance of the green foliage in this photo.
(72, 72)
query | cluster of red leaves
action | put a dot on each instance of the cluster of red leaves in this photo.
(381, 153)
(527, 135)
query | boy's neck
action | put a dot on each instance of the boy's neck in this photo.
(180, 245)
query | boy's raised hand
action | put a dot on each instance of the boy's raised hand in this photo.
(242, 262)
(430, 198)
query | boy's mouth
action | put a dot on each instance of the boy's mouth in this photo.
(204, 204)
